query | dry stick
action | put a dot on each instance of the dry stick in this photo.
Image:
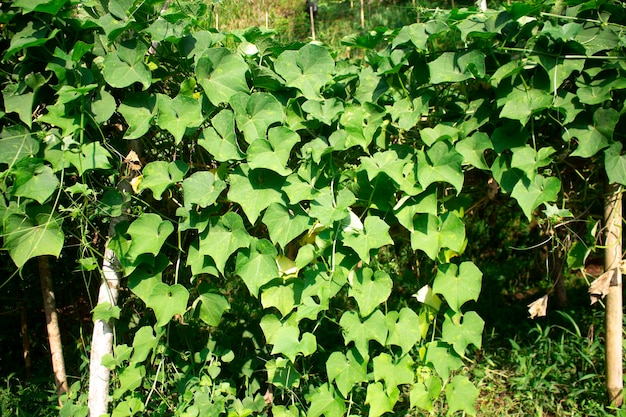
(612, 261)
(362, 14)
(52, 325)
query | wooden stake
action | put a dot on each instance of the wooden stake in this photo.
(26, 347)
(52, 325)
(312, 21)
(362, 14)
(612, 261)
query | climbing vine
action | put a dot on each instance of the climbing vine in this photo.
(295, 238)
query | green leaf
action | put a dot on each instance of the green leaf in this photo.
(34, 34)
(373, 328)
(273, 153)
(529, 160)
(138, 110)
(257, 265)
(458, 284)
(45, 6)
(394, 373)
(369, 289)
(105, 312)
(103, 106)
(285, 297)
(442, 163)
(282, 373)
(593, 138)
(128, 407)
(530, 194)
(255, 113)
(346, 370)
(456, 67)
(143, 343)
(213, 305)
(375, 234)
(461, 395)
(387, 163)
(324, 401)
(221, 74)
(325, 111)
(179, 115)
(380, 402)
(615, 164)
(409, 206)
(224, 236)
(361, 124)
(33, 179)
(285, 224)
(129, 380)
(220, 140)
(461, 330)
(254, 190)
(308, 69)
(148, 234)
(167, 301)
(89, 156)
(431, 233)
(158, 176)
(19, 102)
(473, 149)
(438, 354)
(202, 188)
(289, 343)
(328, 209)
(126, 67)
(403, 330)
(415, 33)
(558, 69)
(409, 112)
(441, 132)
(371, 86)
(424, 394)
(521, 103)
(145, 277)
(16, 142)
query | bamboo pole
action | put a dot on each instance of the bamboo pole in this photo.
(52, 325)
(612, 262)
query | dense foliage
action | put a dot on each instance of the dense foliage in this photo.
(295, 236)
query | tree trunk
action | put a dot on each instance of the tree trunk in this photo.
(52, 325)
(612, 261)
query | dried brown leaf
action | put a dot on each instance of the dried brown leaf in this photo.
(599, 288)
(539, 307)
(133, 162)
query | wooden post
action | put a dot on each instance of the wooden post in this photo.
(612, 262)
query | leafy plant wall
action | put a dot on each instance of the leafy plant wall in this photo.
(295, 222)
